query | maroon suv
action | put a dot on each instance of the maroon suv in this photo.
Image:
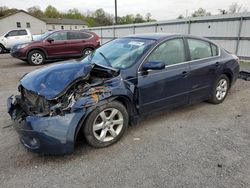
(57, 45)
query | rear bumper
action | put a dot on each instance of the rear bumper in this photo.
(45, 135)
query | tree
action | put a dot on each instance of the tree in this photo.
(102, 18)
(74, 14)
(236, 8)
(138, 19)
(201, 12)
(223, 11)
(4, 11)
(36, 11)
(180, 16)
(51, 12)
(148, 17)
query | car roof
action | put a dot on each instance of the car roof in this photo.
(153, 36)
(160, 36)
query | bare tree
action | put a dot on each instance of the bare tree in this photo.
(148, 16)
(235, 8)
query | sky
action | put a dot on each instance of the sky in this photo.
(160, 9)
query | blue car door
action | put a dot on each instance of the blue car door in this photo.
(205, 65)
(169, 87)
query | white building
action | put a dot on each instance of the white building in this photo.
(63, 23)
(22, 19)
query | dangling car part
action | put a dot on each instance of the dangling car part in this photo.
(244, 75)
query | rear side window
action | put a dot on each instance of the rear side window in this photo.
(12, 33)
(214, 49)
(199, 49)
(76, 35)
(22, 32)
(170, 52)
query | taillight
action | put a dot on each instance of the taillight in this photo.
(236, 58)
(98, 39)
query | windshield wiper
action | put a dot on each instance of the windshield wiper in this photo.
(106, 59)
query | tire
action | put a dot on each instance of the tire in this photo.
(87, 51)
(36, 57)
(102, 130)
(2, 49)
(220, 90)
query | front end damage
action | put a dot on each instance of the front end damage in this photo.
(48, 124)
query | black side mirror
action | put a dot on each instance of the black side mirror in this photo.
(50, 39)
(153, 65)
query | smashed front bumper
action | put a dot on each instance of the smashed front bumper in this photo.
(46, 135)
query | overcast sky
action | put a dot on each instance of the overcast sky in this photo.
(160, 9)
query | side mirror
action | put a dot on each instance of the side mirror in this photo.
(153, 65)
(50, 40)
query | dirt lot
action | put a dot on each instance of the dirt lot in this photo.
(198, 146)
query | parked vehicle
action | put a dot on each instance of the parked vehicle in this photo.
(61, 44)
(13, 37)
(118, 84)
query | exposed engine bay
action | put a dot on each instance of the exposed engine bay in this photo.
(90, 86)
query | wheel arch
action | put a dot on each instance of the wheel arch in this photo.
(39, 49)
(4, 48)
(122, 99)
(89, 46)
(229, 74)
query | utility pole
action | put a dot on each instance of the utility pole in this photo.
(116, 22)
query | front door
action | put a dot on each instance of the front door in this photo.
(58, 47)
(167, 88)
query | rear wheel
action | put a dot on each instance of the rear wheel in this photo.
(1, 49)
(220, 89)
(87, 51)
(36, 57)
(106, 125)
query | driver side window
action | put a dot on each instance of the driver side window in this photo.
(59, 36)
(170, 52)
(12, 33)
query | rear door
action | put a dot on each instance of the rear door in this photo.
(24, 37)
(205, 66)
(78, 41)
(167, 88)
(58, 47)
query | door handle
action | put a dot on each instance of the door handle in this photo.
(185, 73)
(217, 64)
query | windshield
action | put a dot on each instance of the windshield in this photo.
(120, 53)
(42, 36)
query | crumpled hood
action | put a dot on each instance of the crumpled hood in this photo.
(50, 81)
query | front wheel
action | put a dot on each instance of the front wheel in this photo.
(36, 57)
(220, 89)
(106, 125)
(1, 49)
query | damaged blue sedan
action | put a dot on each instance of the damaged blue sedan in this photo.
(121, 82)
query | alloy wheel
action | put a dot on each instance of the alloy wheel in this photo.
(108, 125)
(221, 89)
(87, 52)
(37, 58)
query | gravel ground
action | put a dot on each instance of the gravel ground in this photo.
(203, 145)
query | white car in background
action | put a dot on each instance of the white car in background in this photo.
(13, 37)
